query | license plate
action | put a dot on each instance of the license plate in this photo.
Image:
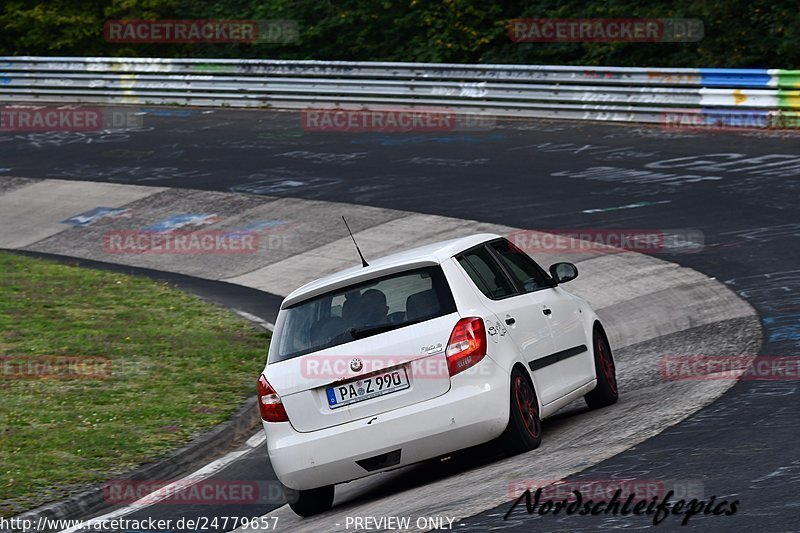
(366, 388)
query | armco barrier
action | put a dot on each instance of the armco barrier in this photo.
(591, 93)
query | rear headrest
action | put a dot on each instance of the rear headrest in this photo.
(422, 304)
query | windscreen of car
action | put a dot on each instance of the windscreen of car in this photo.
(359, 311)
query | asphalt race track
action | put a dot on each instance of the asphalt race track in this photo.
(741, 190)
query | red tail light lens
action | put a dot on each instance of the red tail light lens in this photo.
(269, 403)
(467, 345)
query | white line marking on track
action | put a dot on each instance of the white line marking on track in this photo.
(164, 492)
(269, 326)
(256, 440)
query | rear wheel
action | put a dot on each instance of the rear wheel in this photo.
(310, 502)
(606, 392)
(524, 430)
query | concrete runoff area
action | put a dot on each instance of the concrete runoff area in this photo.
(54, 201)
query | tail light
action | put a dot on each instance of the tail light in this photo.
(269, 403)
(467, 345)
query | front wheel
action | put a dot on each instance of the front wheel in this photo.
(606, 392)
(310, 502)
(524, 430)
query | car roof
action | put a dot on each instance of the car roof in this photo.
(430, 254)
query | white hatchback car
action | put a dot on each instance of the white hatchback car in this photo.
(421, 354)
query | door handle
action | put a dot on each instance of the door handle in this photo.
(510, 321)
(546, 311)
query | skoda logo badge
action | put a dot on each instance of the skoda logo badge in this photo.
(356, 365)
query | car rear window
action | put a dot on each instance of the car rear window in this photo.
(358, 311)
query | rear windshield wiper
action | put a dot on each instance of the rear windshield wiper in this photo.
(360, 333)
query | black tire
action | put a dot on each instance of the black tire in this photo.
(524, 430)
(310, 502)
(606, 392)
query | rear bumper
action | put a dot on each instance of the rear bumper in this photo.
(473, 411)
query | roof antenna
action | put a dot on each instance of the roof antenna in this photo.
(363, 261)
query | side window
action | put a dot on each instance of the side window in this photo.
(525, 271)
(487, 275)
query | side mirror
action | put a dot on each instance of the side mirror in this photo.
(563, 272)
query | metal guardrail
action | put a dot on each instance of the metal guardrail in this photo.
(592, 93)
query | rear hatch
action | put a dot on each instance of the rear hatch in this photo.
(321, 390)
(363, 350)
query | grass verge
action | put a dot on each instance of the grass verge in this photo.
(101, 372)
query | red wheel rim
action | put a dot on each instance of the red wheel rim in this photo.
(607, 364)
(527, 406)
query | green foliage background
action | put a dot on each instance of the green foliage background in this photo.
(738, 33)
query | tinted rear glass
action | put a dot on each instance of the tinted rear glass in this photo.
(359, 311)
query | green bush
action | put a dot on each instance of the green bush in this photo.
(738, 33)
